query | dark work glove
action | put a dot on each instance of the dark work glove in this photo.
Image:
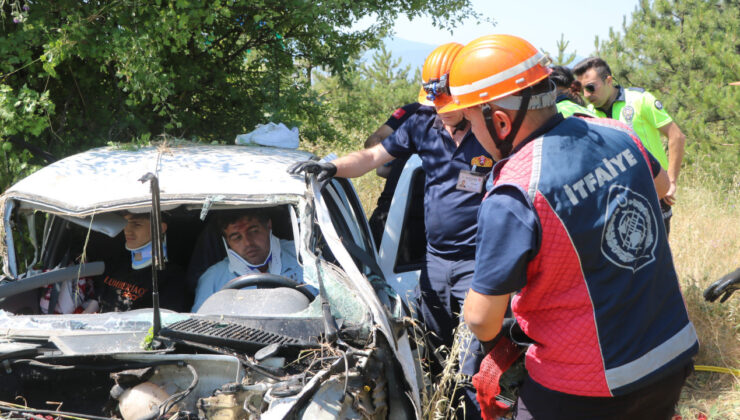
(323, 170)
(486, 381)
(726, 285)
(511, 330)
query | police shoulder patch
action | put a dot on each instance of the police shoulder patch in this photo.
(658, 105)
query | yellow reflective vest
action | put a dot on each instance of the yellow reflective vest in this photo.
(639, 109)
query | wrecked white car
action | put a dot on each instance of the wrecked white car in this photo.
(272, 351)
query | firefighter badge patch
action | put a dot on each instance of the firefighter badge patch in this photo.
(631, 230)
(481, 161)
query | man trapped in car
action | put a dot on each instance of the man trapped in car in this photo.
(130, 287)
(251, 248)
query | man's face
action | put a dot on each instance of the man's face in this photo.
(450, 119)
(595, 90)
(478, 125)
(249, 238)
(137, 231)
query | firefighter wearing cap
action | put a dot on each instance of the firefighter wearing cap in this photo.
(639, 110)
(571, 228)
(455, 165)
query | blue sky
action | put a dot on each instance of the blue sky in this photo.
(539, 21)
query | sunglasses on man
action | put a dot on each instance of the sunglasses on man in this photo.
(590, 88)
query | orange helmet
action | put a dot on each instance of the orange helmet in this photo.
(493, 67)
(434, 76)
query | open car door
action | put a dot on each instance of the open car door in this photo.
(403, 246)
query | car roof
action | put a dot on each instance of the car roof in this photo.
(106, 179)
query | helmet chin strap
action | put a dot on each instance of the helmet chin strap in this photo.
(505, 145)
(462, 125)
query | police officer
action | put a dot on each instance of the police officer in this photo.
(642, 112)
(572, 226)
(455, 165)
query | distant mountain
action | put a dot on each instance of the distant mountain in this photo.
(411, 53)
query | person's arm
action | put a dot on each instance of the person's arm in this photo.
(379, 135)
(662, 183)
(660, 176)
(484, 314)
(207, 284)
(507, 239)
(362, 161)
(676, 143)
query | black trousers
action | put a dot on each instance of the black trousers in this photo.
(656, 401)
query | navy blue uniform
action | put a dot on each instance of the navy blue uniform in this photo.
(380, 214)
(450, 215)
(597, 290)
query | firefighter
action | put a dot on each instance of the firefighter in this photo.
(455, 165)
(571, 228)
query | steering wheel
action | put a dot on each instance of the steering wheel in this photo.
(267, 281)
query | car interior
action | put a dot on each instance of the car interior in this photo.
(192, 244)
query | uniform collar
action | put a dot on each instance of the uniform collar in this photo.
(620, 97)
(440, 126)
(544, 128)
(561, 97)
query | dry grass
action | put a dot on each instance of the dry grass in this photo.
(705, 240)
(368, 186)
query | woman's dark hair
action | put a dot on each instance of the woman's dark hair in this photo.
(564, 79)
(562, 76)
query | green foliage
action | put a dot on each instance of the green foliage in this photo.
(365, 96)
(77, 74)
(146, 343)
(687, 52)
(562, 59)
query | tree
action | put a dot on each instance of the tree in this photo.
(76, 74)
(363, 98)
(562, 59)
(687, 52)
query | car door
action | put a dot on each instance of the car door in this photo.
(403, 246)
(344, 225)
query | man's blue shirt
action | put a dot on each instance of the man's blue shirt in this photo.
(450, 214)
(219, 274)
